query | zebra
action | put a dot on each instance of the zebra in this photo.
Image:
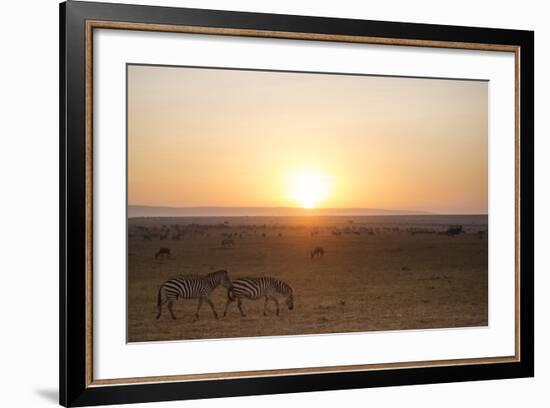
(192, 287)
(256, 288)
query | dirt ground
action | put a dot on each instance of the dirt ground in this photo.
(377, 273)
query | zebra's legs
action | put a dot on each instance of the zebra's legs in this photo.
(159, 307)
(226, 307)
(160, 302)
(276, 304)
(240, 305)
(274, 300)
(265, 306)
(170, 304)
(212, 307)
(198, 308)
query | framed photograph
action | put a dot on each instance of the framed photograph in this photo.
(257, 203)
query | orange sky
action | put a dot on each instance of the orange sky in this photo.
(211, 137)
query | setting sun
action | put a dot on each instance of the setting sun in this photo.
(308, 188)
(297, 148)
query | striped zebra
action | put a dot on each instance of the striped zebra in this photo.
(256, 288)
(192, 287)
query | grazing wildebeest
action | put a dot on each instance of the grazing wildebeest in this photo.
(454, 230)
(227, 243)
(256, 288)
(317, 251)
(192, 287)
(163, 252)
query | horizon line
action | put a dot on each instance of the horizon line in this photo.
(300, 211)
(269, 207)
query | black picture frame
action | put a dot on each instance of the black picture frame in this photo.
(74, 388)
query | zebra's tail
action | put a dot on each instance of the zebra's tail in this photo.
(159, 302)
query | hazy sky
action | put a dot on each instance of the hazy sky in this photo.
(211, 137)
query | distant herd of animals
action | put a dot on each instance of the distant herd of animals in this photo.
(228, 239)
(165, 252)
(201, 288)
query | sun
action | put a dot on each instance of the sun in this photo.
(308, 187)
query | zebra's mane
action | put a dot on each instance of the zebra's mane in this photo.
(217, 277)
(283, 287)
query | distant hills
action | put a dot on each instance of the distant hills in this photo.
(135, 211)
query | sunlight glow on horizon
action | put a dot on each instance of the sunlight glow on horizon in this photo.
(308, 187)
(205, 137)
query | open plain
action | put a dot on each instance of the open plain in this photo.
(376, 273)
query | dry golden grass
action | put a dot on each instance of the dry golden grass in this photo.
(387, 281)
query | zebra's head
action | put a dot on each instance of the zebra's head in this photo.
(222, 278)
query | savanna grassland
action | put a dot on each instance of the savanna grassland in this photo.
(377, 273)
